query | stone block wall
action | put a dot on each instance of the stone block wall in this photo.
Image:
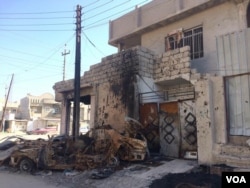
(173, 64)
(137, 60)
(114, 83)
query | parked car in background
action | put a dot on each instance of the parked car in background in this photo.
(38, 131)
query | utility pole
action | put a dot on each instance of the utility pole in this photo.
(64, 61)
(5, 105)
(76, 109)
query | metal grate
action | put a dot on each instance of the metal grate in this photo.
(190, 127)
(192, 37)
(168, 128)
(167, 95)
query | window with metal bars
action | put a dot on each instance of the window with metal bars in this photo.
(192, 37)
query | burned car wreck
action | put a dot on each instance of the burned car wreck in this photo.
(100, 147)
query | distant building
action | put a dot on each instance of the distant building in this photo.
(43, 111)
(10, 114)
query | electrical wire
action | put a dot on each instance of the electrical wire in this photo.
(32, 18)
(90, 4)
(35, 24)
(31, 30)
(98, 7)
(18, 13)
(111, 15)
(112, 8)
(93, 44)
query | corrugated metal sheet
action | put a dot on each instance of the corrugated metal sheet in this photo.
(232, 51)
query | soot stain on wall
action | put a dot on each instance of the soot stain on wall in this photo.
(124, 87)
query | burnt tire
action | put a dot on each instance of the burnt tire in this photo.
(26, 165)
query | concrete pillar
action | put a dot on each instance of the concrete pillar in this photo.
(219, 109)
(92, 111)
(242, 13)
(205, 121)
(65, 116)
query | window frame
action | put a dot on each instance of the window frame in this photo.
(180, 38)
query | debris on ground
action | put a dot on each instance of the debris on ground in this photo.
(103, 173)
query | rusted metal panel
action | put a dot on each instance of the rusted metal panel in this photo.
(188, 127)
(170, 108)
(148, 113)
(170, 129)
(150, 121)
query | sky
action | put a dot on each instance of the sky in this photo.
(33, 35)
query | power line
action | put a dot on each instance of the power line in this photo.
(22, 60)
(50, 55)
(98, 14)
(93, 44)
(18, 13)
(43, 62)
(36, 24)
(22, 52)
(98, 7)
(111, 15)
(90, 4)
(37, 29)
(32, 18)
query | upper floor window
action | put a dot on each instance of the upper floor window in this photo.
(192, 37)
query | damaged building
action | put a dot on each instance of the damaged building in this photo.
(182, 71)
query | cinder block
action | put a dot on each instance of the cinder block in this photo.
(186, 54)
(176, 51)
(185, 48)
(185, 70)
(165, 59)
(187, 64)
(179, 66)
(167, 54)
(178, 56)
(175, 72)
(185, 59)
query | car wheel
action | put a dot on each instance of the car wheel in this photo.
(26, 165)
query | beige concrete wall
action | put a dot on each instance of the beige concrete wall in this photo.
(150, 14)
(214, 21)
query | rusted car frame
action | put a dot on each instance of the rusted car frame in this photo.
(100, 147)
